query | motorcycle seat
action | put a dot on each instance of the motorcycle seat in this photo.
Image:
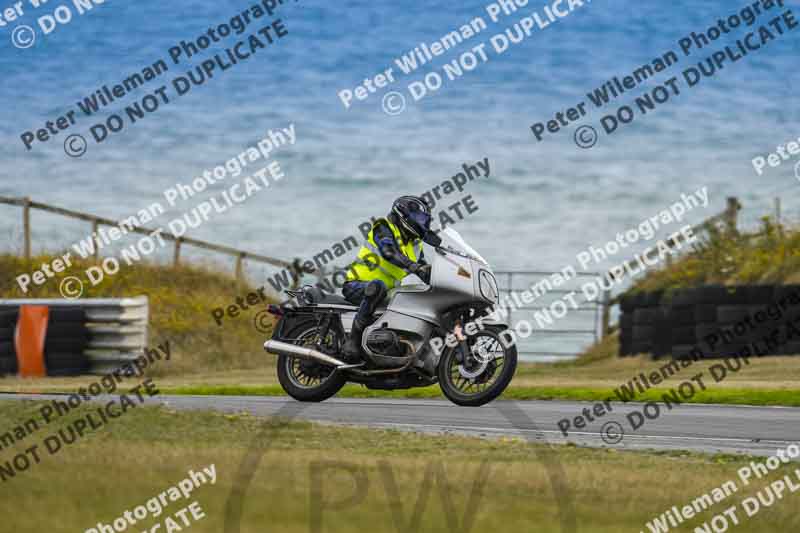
(333, 299)
(316, 296)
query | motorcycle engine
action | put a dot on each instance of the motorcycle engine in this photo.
(385, 342)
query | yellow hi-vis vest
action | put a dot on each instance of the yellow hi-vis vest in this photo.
(370, 265)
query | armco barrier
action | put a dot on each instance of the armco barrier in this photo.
(80, 336)
(681, 321)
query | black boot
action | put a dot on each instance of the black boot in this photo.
(352, 348)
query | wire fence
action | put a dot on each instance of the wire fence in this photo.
(530, 296)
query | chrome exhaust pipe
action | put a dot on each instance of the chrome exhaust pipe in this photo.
(284, 348)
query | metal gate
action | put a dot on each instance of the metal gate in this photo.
(568, 335)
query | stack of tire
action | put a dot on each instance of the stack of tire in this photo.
(65, 342)
(8, 355)
(679, 322)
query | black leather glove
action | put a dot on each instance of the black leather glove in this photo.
(422, 271)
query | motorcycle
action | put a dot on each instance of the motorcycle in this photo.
(404, 347)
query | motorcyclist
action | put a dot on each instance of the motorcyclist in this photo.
(392, 251)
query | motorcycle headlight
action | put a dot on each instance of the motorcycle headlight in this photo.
(488, 286)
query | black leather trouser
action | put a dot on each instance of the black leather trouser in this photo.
(366, 295)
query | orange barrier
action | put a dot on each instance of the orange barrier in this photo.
(29, 339)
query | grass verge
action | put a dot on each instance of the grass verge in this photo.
(338, 479)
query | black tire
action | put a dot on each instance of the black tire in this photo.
(683, 335)
(496, 389)
(729, 314)
(703, 331)
(662, 339)
(66, 314)
(790, 292)
(66, 363)
(643, 333)
(625, 322)
(646, 316)
(760, 294)
(709, 295)
(8, 318)
(67, 330)
(640, 299)
(661, 348)
(641, 347)
(7, 349)
(8, 365)
(790, 348)
(329, 387)
(625, 348)
(735, 296)
(681, 315)
(685, 351)
(684, 297)
(65, 345)
(652, 299)
(627, 303)
(705, 313)
(732, 349)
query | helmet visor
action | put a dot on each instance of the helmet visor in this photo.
(421, 220)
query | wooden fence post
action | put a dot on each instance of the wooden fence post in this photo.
(26, 226)
(95, 227)
(606, 323)
(732, 213)
(177, 255)
(239, 259)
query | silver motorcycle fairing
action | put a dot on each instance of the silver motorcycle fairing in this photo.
(415, 311)
(455, 281)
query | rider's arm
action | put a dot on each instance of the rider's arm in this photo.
(387, 245)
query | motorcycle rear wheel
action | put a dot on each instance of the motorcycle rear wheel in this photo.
(307, 381)
(471, 383)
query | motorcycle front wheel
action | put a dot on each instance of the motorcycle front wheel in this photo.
(481, 375)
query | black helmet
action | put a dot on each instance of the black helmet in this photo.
(413, 216)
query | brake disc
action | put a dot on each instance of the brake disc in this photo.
(482, 357)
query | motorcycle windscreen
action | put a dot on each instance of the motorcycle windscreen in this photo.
(454, 239)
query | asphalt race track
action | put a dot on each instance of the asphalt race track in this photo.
(701, 428)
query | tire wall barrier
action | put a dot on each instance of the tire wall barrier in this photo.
(711, 322)
(79, 336)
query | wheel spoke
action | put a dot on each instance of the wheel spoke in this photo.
(481, 368)
(304, 374)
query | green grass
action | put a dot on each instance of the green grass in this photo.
(297, 471)
(764, 397)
